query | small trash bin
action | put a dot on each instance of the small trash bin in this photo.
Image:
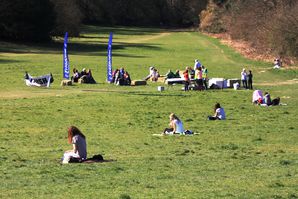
(160, 88)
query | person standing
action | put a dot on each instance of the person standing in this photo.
(197, 64)
(249, 80)
(244, 78)
(205, 77)
(199, 78)
(186, 79)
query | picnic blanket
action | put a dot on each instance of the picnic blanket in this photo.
(176, 134)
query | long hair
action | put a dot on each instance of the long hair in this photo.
(72, 131)
(172, 115)
(216, 106)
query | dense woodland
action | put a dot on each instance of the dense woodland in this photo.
(270, 25)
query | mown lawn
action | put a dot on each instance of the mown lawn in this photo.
(253, 154)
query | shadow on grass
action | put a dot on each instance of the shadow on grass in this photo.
(73, 48)
(7, 61)
(85, 48)
(120, 30)
(90, 48)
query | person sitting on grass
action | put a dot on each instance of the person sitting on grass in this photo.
(170, 74)
(127, 80)
(76, 75)
(176, 126)
(151, 71)
(114, 75)
(219, 113)
(90, 78)
(177, 74)
(155, 75)
(83, 72)
(79, 150)
(269, 102)
(257, 97)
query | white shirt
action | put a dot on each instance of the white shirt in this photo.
(243, 75)
(179, 126)
(80, 143)
(220, 112)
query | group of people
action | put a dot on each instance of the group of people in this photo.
(121, 77)
(198, 74)
(83, 77)
(264, 100)
(246, 79)
(170, 74)
(176, 125)
(77, 139)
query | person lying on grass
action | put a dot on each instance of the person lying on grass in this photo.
(219, 113)
(176, 126)
(78, 141)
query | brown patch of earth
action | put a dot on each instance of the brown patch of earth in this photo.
(288, 82)
(247, 50)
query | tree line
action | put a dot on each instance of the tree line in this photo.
(37, 20)
(271, 26)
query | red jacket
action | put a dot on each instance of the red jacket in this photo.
(186, 76)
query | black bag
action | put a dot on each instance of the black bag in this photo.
(74, 160)
(97, 157)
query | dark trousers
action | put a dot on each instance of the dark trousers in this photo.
(250, 85)
(244, 83)
(168, 130)
(186, 85)
(213, 118)
(199, 83)
(205, 83)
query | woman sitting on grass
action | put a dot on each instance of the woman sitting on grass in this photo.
(176, 126)
(269, 102)
(219, 113)
(78, 141)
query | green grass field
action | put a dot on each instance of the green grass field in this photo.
(253, 154)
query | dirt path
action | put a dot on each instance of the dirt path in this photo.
(144, 39)
(16, 94)
(288, 82)
(248, 51)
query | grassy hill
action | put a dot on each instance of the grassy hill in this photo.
(253, 154)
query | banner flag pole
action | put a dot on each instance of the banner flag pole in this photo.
(109, 59)
(65, 58)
